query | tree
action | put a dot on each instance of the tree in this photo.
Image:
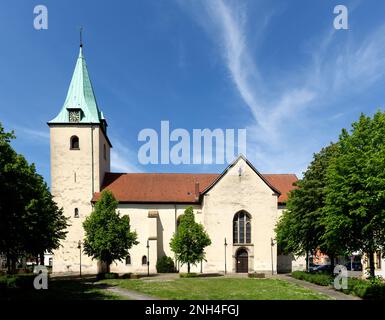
(107, 235)
(300, 228)
(190, 240)
(30, 221)
(50, 222)
(355, 192)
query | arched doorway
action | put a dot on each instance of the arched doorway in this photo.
(242, 261)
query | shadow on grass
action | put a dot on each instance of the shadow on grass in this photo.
(61, 290)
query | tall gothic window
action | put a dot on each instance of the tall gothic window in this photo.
(74, 143)
(144, 260)
(242, 228)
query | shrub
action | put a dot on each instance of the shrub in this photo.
(316, 278)
(373, 289)
(111, 275)
(165, 265)
(210, 275)
(366, 289)
(17, 281)
(107, 275)
(126, 275)
(256, 275)
(25, 281)
(188, 275)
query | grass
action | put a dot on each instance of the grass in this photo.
(219, 289)
(60, 290)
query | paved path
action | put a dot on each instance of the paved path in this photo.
(130, 294)
(329, 291)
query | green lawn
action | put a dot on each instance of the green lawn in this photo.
(219, 289)
(60, 290)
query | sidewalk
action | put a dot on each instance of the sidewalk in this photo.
(130, 294)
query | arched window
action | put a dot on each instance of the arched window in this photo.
(144, 260)
(74, 143)
(76, 213)
(242, 228)
(128, 259)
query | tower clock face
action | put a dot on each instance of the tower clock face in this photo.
(74, 116)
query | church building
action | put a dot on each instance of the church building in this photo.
(238, 208)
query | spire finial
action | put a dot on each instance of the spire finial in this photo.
(81, 36)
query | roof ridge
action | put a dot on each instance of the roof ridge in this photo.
(190, 173)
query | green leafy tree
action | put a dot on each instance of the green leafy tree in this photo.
(30, 221)
(300, 228)
(107, 235)
(49, 221)
(190, 240)
(355, 192)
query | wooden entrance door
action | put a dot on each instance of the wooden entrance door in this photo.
(242, 261)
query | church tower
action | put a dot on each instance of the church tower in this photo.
(80, 156)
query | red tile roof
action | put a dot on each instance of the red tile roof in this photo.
(282, 182)
(175, 187)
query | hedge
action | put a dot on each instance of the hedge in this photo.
(17, 281)
(366, 289)
(256, 275)
(107, 275)
(189, 275)
(321, 279)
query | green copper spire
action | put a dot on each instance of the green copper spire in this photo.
(80, 104)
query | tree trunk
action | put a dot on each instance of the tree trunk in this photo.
(188, 267)
(307, 261)
(9, 262)
(371, 264)
(13, 264)
(331, 256)
(42, 259)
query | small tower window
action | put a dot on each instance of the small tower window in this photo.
(74, 143)
(76, 213)
(128, 259)
(144, 260)
(104, 152)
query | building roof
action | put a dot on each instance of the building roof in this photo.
(80, 95)
(176, 187)
(283, 182)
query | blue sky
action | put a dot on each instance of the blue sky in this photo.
(277, 68)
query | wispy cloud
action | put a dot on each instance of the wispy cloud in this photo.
(330, 71)
(27, 133)
(122, 158)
